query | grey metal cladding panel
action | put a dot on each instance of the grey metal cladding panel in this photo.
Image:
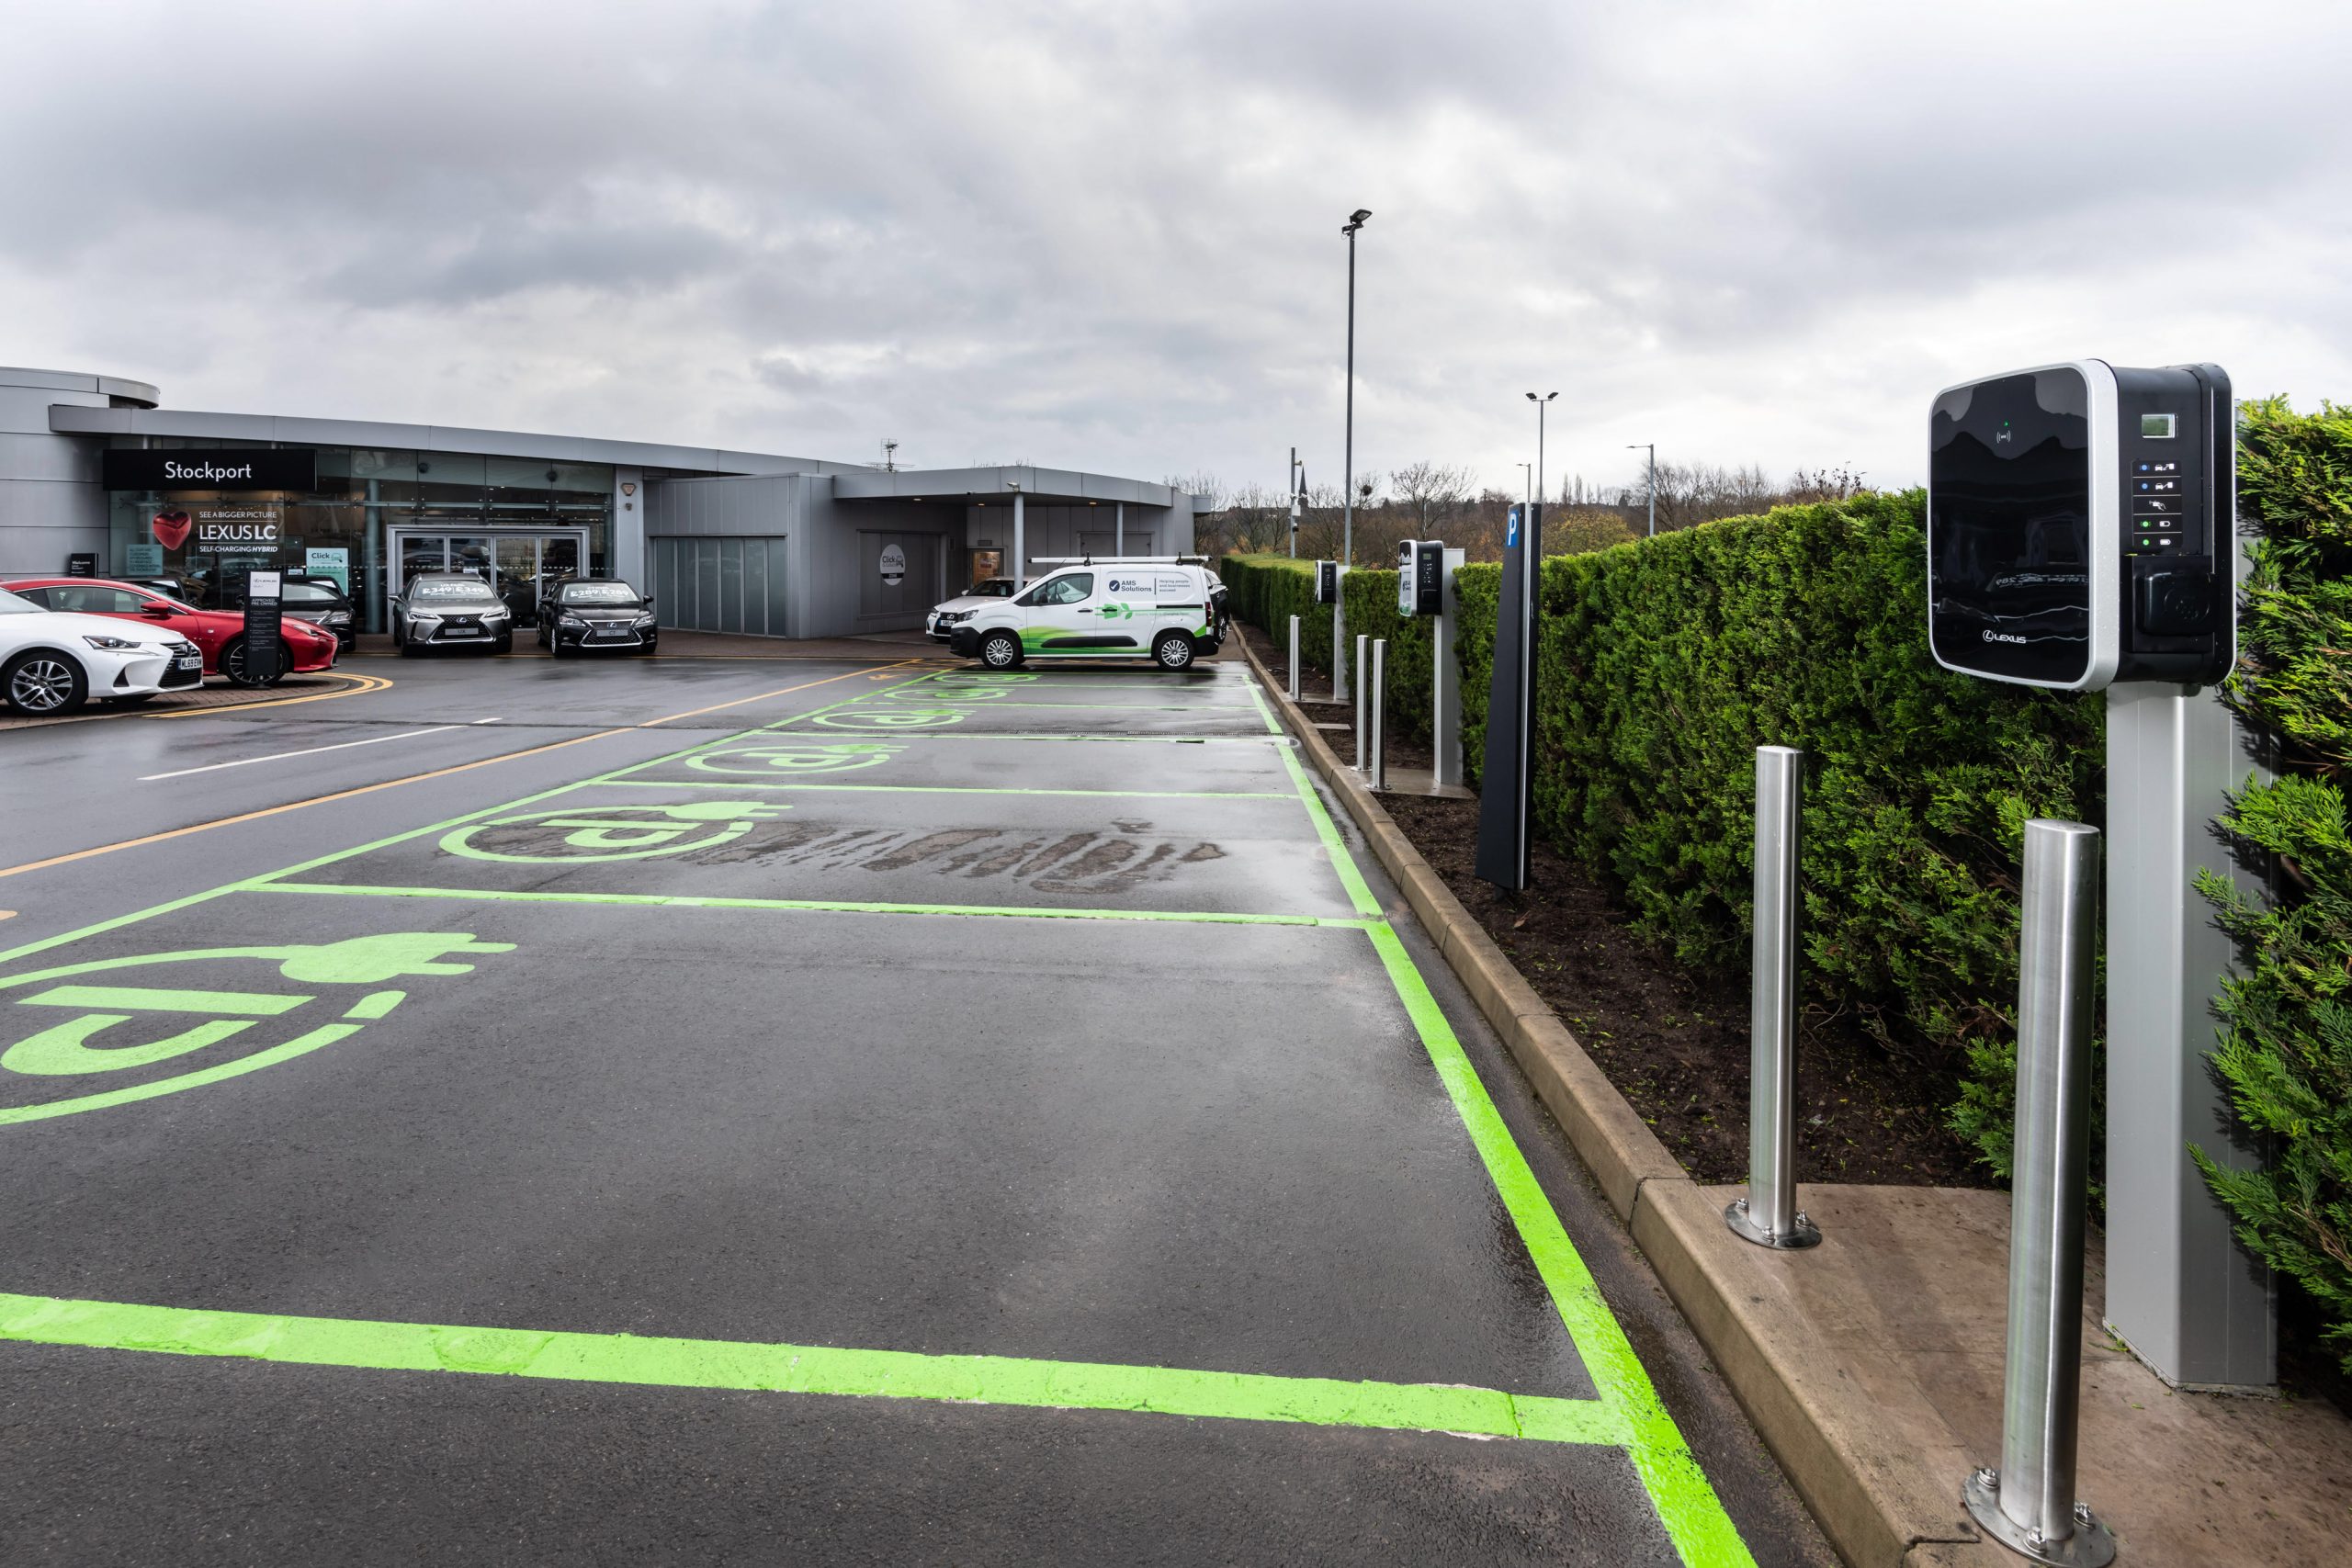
(50, 457)
(39, 552)
(73, 381)
(67, 419)
(47, 503)
(200, 426)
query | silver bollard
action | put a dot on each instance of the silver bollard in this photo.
(1293, 659)
(2028, 1503)
(1363, 647)
(1769, 1216)
(1380, 713)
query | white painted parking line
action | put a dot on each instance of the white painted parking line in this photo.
(311, 750)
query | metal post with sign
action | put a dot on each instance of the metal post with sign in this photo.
(2081, 537)
(1507, 788)
(262, 660)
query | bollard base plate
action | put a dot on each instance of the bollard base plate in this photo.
(2090, 1545)
(1804, 1232)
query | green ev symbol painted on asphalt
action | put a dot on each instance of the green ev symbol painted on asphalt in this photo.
(610, 832)
(83, 1045)
(949, 691)
(892, 718)
(782, 757)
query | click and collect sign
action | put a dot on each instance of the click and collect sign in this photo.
(219, 469)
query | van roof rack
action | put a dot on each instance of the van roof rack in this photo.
(1118, 560)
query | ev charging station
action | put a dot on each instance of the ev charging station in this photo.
(2082, 537)
(1327, 592)
(1425, 569)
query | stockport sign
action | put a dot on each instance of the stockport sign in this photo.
(215, 469)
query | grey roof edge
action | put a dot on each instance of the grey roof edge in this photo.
(67, 419)
(78, 381)
(1055, 487)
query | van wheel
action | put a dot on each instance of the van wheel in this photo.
(1173, 650)
(1001, 651)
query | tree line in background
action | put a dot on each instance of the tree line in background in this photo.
(1429, 499)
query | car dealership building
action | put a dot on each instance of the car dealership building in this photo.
(97, 476)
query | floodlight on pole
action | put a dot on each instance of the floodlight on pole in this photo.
(1540, 404)
(1651, 447)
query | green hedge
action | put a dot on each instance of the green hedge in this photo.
(2286, 1050)
(1268, 590)
(1666, 663)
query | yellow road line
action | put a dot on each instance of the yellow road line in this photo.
(363, 683)
(412, 778)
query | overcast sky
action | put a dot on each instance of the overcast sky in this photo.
(1106, 235)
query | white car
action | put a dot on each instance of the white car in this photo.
(945, 617)
(1168, 609)
(51, 662)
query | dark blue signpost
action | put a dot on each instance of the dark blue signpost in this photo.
(1507, 789)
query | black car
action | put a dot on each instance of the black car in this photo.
(589, 613)
(318, 601)
(450, 609)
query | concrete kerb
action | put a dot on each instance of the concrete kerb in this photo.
(1607, 1132)
(1866, 1509)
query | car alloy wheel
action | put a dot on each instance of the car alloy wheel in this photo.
(1000, 650)
(40, 684)
(1174, 651)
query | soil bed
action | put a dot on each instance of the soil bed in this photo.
(1674, 1042)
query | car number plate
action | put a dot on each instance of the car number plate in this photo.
(188, 661)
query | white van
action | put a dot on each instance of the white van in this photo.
(1169, 609)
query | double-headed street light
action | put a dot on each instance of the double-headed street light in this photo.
(1540, 403)
(1651, 447)
(1348, 518)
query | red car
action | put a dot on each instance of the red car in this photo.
(221, 634)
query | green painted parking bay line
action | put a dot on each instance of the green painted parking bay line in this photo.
(815, 906)
(983, 704)
(804, 1369)
(920, 732)
(1694, 1517)
(950, 789)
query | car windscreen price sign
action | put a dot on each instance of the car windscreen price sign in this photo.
(262, 661)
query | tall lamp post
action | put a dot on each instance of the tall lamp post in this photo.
(1651, 447)
(1540, 404)
(1297, 498)
(1348, 518)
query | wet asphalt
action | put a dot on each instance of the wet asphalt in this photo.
(816, 1004)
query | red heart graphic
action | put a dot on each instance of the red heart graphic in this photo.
(170, 528)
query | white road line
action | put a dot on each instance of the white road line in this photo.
(310, 752)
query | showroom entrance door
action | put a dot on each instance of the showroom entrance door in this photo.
(518, 562)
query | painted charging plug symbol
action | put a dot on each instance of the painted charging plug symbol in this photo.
(891, 717)
(791, 759)
(614, 832)
(108, 1014)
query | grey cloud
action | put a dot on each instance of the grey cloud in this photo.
(1107, 235)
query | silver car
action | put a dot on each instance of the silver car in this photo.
(450, 609)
